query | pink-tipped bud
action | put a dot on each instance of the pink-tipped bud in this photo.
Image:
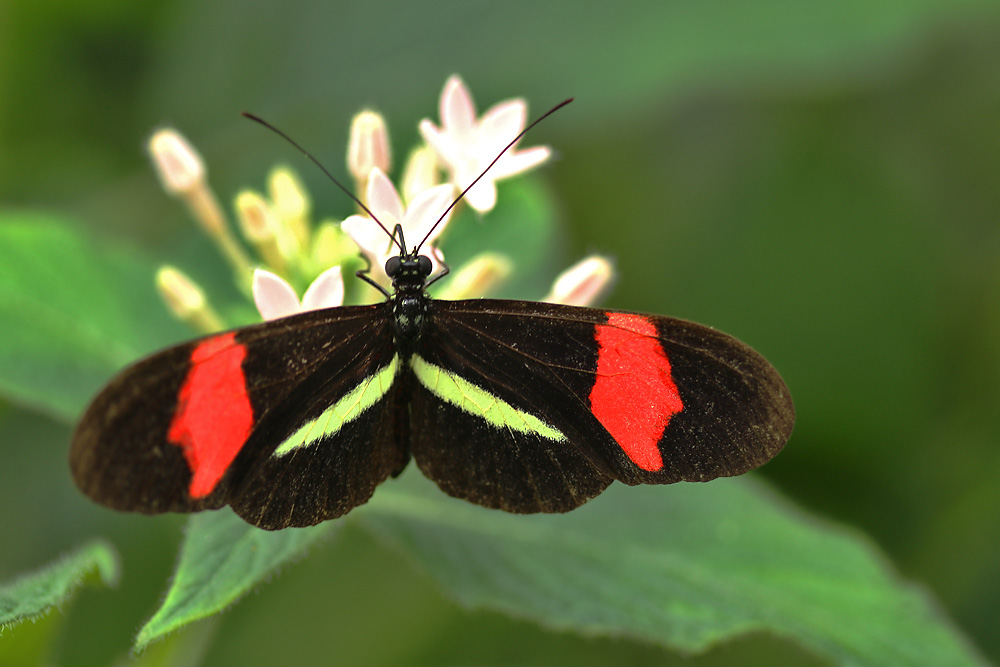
(583, 283)
(257, 222)
(177, 163)
(369, 146)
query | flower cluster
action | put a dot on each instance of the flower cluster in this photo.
(293, 251)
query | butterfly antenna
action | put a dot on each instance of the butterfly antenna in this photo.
(499, 155)
(330, 176)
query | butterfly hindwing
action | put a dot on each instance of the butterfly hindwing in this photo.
(325, 447)
(482, 420)
(638, 398)
(199, 426)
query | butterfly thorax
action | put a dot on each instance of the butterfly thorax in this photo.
(409, 301)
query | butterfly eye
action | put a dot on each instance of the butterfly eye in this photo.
(392, 266)
(423, 265)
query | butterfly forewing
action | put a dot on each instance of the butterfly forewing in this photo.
(200, 425)
(638, 398)
(120, 455)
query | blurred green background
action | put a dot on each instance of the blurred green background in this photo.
(819, 179)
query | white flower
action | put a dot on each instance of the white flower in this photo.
(467, 145)
(275, 298)
(417, 220)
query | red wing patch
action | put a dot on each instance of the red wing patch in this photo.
(634, 395)
(214, 415)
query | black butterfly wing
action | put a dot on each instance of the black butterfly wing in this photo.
(247, 418)
(489, 359)
(338, 434)
(637, 398)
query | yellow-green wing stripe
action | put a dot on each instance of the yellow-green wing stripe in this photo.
(479, 402)
(366, 394)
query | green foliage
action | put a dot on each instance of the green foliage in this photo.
(222, 558)
(685, 566)
(71, 312)
(33, 595)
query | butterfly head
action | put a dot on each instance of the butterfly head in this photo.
(409, 271)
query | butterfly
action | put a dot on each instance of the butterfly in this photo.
(519, 406)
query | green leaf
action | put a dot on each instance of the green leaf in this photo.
(222, 558)
(33, 595)
(685, 566)
(73, 314)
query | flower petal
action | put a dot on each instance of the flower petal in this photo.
(425, 210)
(458, 112)
(437, 258)
(467, 147)
(514, 163)
(383, 200)
(483, 195)
(274, 297)
(500, 125)
(368, 236)
(327, 291)
(440, 141)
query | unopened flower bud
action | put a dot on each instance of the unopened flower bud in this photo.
(186, 300)
(476, 278)
(182, 173)
(583, 283)
(260, 227)
(290, 202)
(255, 217)
(368, 147)
(177, 163)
